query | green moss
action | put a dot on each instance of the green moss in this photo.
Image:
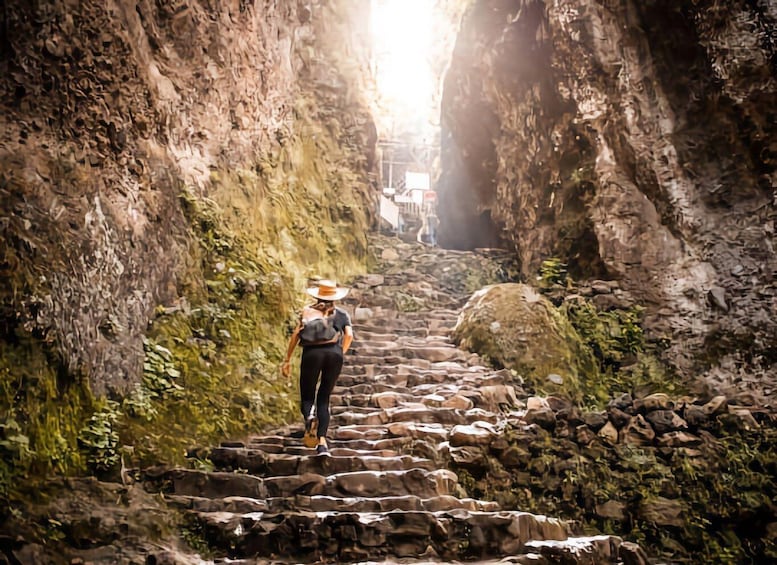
(515, 327)
(726, 492)
(626, 363)
(212, 360)
(41, 415)
(212, 357)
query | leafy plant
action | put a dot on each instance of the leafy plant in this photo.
(13, 442)
(100, 438)
(613, 335)
(159, 371)
(552, 271)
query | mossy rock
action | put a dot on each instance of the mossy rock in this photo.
(514, 326)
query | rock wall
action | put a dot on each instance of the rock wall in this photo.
(636, 142)
(112, 111)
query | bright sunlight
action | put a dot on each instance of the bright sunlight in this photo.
(411, 41)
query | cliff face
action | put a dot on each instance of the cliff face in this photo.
(113, 111)
(636, 142)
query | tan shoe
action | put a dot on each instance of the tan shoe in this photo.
(310, 439)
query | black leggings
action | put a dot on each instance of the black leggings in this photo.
(326, 360)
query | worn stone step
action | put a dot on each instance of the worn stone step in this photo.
(392, 399)
(375, 367)
(419, 413)
(392, 318)
(390, 340)
(356, 375)
(418, 482)
(433, 353)
(415, 329)
(350, 536)
(258, 462)
(384, 446)
(359, 441)
(398, 326)
(320, 503)
(339, 450)
(465, 396)
(368, 387)
(433, 431)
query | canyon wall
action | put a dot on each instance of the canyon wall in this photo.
(114, 113)
(635, 141)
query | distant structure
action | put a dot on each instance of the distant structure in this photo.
(406, 172)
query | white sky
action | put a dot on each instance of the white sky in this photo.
(403, 32)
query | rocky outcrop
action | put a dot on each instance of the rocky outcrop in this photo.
(635, 142)
(112, 112)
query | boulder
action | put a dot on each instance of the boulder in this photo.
(664, 421)
(638, 432)
(516, 327)
(662, 511)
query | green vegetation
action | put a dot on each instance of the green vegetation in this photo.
(626, 362)
(707, 504)
(40, 417)
(99, 439)
(211, 358)
(552, 272)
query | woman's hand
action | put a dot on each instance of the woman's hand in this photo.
(286, 369)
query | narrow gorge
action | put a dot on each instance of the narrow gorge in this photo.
(581, 369)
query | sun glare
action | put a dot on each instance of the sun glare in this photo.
(403, 35)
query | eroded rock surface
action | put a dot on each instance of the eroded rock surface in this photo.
(635, 141)
(120, 118)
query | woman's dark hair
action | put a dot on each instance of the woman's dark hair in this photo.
(326, 307)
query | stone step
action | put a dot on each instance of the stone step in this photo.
(356, 375)
(352, 536)
(409, 377)
(433, 432)
(387, 318)
(413, 330)
(418, 413)
(400, 326)
(391, 399)
(352, 441)
(296, 448)
(368, 388)
(319, 503)
(418, 482)
(490, 397)
(399, 353)
(260, 463)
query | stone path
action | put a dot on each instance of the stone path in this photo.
(407, 404)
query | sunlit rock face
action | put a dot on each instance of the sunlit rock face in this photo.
(635, 140)
(111, 110)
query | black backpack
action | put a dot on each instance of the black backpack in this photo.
(318, 330)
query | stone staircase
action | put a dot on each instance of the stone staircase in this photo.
(407, 404)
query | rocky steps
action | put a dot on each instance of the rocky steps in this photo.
(407, 403)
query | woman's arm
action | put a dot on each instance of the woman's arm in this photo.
(347, 339)
(293, 341)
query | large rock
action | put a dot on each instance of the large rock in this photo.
(516, 327)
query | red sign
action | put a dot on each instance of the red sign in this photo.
(430, 196)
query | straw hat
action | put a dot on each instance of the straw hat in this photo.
(327, 290)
